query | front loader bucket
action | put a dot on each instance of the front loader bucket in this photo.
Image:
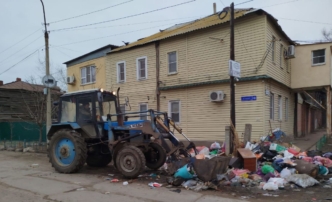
(207, 169)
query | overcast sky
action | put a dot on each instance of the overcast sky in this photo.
(22, 19)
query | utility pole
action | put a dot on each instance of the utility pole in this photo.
(232, 83)
(47, 64)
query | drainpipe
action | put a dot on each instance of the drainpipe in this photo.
(157, 75)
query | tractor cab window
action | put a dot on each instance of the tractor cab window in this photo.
(84, 109)
(109, 107)
(68, 110)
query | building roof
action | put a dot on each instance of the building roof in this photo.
(21, 85)
(202, 23)
(107, 47)
(316, 43)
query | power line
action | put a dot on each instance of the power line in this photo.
(89, 12)
(19, 62)
(244, 2)
(19, 41)
(55, 48)
(280, 3)
(324, 23)
(70, 49)
(109, 36)
(20, 49)
(129, 16)
(120, 25)
(222, 3)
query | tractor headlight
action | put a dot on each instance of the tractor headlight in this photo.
(101, 90)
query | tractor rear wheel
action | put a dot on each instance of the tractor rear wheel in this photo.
(67, 151)
(155, 156)
(130, 161)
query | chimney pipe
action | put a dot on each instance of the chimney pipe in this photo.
(18, 79)
(1, 83)
(214, 8)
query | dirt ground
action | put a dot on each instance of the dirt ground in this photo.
(16, 164)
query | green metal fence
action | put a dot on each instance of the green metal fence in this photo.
(20, 131)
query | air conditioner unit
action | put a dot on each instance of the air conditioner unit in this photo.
(70, 79)
(217, 96)
(291, 51)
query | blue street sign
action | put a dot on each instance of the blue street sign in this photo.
(249, 98)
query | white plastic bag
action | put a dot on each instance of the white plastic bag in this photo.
(205, 151)
(215, 145)
(288, 155)
(270, 186)
(302, 180)
(285, 173)
(278, 181)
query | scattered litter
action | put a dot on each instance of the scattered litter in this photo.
(125, 183)
(111, 175)
(107, 192)
(115, 180)
(140, 176)
(80, 189)
(270, 186)
(186, 172)
(107, 178)
(154, 184)
(267, 194)
(327, 186)
(189, 183)
(77, 182)
(34, 165)
(153, 175)
(176, 190)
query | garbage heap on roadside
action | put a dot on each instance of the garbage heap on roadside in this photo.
(269, 164)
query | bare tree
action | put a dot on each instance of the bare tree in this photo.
(327, 34)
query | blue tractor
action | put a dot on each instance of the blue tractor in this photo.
(92, 129)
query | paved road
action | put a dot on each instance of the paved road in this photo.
(20, 181)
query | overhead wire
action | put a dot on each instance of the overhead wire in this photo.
(324, 23)
(90, 12)
(129, 16)
(20, 41)
(20, 61)
(20, 49)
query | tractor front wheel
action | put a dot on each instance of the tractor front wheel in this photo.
(155, 156)
(130, 161)
(67, 151)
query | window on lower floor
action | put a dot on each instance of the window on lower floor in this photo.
(272, 106)
(286, 109)
(318, 57)
(88, 75)
(279, 107)
(143, 107)
(174, 110)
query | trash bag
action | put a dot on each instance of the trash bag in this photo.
(215, 145)
(285, 173)
(304, 167)
(314, 153)
(205, 151)
(189, 183)
(302, 180)
(278, 181)
(278, 164)
(185, 172)
(267, 169)
(328, 155)
(323, 170)
(270, 186)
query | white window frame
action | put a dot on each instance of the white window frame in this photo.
(273, 48)
(91, 75)
(281, 55)
(279, 107)
(312, 58)
(118, 71)
(146, 68)
(271, 106)
(147, 108)
(286, 108)
(176, 62)
(169, 109)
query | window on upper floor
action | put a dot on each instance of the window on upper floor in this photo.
(143, 107)
(281, 55)
(88, 75)
(174, 110)
(121, 72)
(279, 108)
(272, 106)
(172, 63)
(318, 57)
(142, 69)
(273, 48)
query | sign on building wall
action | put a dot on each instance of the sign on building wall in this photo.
(234, 69)
(249, 98)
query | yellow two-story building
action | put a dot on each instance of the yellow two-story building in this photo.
(184, 70)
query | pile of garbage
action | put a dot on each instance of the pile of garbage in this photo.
(278, 164)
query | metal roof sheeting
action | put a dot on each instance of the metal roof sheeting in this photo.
(187, 27)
